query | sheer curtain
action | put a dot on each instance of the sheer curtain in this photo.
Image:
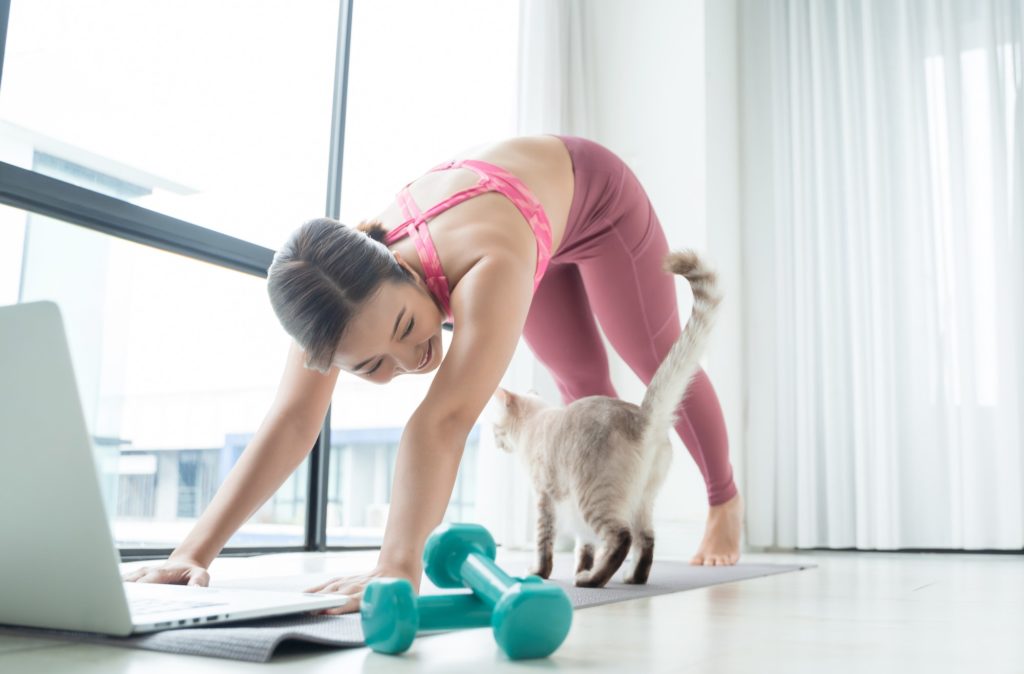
(553, 91)
(883, 197)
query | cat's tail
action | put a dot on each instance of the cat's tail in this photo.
(672, 377)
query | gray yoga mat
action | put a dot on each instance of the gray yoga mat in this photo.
(257, 640)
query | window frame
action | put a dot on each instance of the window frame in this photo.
(30, 191)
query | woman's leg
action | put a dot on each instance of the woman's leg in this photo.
(561, 332)
(634, 300)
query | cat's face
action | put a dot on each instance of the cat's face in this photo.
(511, 412)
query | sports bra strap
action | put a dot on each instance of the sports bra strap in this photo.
(416, 225)
(491, 178)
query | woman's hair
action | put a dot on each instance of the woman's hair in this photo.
(320, 278)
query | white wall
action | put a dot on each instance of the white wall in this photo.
(662, 80)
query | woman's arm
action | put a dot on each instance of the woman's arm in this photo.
(490, 305)
(282, 441)
(280, 444)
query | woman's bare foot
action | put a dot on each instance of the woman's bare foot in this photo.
(721, 544)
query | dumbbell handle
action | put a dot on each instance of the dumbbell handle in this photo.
(452, 611)
(485, 578)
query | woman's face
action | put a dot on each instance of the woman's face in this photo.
(396, 331)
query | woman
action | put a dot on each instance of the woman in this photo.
(533, 236)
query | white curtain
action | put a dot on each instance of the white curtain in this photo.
(552, 99)
(553, 90)
(883, 191)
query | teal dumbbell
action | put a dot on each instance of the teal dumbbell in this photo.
(392, 614)
(531, 619)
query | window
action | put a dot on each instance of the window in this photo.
(175, 360)
(217, 113)
(408, 110)
(222, 115)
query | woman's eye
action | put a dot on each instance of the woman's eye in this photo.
(409, 329)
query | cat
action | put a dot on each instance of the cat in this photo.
(602, 460)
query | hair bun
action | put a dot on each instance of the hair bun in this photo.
(373, 229)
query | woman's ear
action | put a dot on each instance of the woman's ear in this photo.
(406, 266)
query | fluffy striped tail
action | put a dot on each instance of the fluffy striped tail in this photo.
(673, 376)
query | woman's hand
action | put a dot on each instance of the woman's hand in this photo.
(353, 585)
(175, 571)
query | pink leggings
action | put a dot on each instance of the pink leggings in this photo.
(608, 266)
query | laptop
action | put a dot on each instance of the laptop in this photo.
(58, 562)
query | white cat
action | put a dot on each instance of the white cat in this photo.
(599, 462)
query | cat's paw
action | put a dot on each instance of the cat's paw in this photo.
(543, 572)
(587, 579)
(636, 578)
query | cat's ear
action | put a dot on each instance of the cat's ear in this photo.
(502, 396)
(507, 399)
(499, 407)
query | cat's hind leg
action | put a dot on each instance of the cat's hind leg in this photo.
(615, 541)
(584, 555)
(643, 518)
(643, 544)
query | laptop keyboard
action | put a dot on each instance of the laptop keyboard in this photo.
(142, 606)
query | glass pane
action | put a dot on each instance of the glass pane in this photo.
(447, 81)
(176, 361)
(217, 113)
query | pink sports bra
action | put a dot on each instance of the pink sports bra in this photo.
(492, 179)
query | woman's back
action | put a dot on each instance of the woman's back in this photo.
(488, 220)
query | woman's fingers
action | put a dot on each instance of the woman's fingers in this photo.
(200, 577)
(320, 587)
(336, 586)
(161, 576)
(350, 587)
(149, 574)
(134, 575)
(350, 606)
(172, 572)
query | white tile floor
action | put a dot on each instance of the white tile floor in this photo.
(856, 612)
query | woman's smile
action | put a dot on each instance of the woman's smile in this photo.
(426, 357)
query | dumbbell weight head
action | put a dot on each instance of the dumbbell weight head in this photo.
(448, 547)
(389, 626)
(389, 615)
(533, 620)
